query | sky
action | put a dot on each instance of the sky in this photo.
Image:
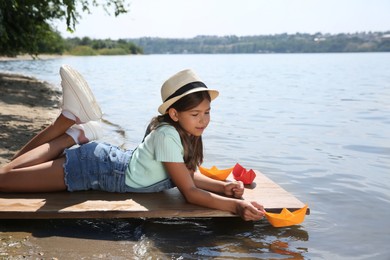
(189, 18)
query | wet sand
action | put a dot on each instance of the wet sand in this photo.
(27, 105)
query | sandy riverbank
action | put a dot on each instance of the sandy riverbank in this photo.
(29, 57)
(27, 105)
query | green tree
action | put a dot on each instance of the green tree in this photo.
(24, 24)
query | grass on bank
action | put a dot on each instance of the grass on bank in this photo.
(89, 51)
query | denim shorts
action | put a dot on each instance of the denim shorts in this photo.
(101, 166)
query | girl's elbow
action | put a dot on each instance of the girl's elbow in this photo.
(190, 195)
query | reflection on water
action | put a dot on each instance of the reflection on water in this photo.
(317, 124)
(369, 149)
(223, 238)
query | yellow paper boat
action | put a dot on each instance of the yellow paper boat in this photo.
(286, 218)
(216, 173)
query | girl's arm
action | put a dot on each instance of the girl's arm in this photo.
(181, 176)
(235, 189)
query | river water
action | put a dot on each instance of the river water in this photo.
(317, 124)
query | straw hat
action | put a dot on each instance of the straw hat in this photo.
(182, 83)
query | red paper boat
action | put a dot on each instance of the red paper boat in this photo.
(241, 174)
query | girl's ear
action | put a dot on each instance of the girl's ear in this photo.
(173, 114)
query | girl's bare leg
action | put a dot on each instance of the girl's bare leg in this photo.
(57, 128)
(45, 177)
(43, 153)
(38, 170)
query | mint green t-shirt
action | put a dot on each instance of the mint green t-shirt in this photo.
(146, 168)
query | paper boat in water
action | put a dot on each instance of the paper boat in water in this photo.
(241, 174)
(286, 218)
(216, 173)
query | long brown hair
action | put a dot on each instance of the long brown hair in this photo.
(193, 146)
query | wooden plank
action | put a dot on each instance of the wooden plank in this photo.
(166, 204)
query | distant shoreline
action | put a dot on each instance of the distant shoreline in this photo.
(278, 43)
(29, 57)
(364, 42)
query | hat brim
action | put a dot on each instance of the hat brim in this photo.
(163, 108)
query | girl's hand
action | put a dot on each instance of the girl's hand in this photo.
(235, 189)
(250, 210)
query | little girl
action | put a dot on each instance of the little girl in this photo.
(167, 157)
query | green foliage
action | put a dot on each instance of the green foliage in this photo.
(82, 51)
(281, 43)
(25, 24)
(51, 42)
(100, 47)
(113, 51)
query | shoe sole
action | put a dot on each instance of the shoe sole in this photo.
(80, 89)
(92, 128)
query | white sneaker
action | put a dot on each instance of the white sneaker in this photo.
(93, 130)
(86, 132)
(77, 96)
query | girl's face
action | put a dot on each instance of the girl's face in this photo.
(194, 121)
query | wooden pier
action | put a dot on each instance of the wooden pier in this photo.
(166, 204)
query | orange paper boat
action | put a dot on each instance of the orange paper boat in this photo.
(241, 174)
(215, 173)
(286, 218)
